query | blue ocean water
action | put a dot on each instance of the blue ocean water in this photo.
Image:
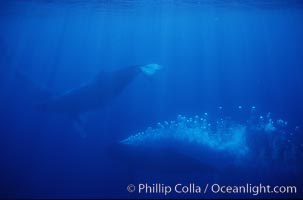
(226, 107)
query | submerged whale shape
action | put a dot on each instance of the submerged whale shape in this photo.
(136, 160)
(97, 92)
(220, 143)
(91, 95)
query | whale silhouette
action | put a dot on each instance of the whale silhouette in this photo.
(95, 93)
(91, 95)
(221, 145)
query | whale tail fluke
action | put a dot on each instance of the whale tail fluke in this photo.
(150, 69)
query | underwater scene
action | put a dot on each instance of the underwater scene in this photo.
(150, 99)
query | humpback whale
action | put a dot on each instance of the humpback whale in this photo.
(222, 144)
(96, 92)
(93, 94)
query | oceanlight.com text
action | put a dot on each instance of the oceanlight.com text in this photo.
(253, 189)
(193, 188)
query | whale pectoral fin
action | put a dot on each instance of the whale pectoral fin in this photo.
(78, 125)
(80, 129)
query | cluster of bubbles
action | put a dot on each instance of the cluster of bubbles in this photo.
(196, 131)
(258, 136)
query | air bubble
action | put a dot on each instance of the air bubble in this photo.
(222, 133)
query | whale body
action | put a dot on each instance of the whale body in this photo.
(222, 143)
(91, 95)
(97, 92)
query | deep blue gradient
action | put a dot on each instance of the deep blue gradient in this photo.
(227, 53)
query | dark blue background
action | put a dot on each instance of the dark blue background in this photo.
(224, 54)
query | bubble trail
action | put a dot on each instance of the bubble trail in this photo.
(198, 136)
